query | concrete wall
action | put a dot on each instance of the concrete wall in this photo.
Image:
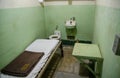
(21, 22)
(57, 14)
(107, 24)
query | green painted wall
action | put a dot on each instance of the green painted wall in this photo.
(57, 15)
(18, 28)
(106, 26)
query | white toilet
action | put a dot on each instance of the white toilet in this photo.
(56, 35)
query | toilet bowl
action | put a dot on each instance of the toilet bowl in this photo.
(56, 35)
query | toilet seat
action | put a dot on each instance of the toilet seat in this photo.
(56, 35)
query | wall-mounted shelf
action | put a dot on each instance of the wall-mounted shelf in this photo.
(91, 52)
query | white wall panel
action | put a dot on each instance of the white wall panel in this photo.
(18, 3)
(109, 3)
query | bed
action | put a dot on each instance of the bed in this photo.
(48, 47)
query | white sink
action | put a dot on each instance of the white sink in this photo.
(70, 24)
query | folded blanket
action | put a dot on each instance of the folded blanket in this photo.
(23, 64)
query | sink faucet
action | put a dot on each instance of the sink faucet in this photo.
(56, 27)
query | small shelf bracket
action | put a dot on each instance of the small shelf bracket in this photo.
(42, 4)
(70, 2)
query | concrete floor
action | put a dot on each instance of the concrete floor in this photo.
(69, 66)
(65, 67)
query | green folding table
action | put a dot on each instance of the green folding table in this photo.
(91, 52)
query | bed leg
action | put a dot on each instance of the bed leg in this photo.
(61, 47)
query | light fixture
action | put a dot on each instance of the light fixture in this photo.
(41, 1)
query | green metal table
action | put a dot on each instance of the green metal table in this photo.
(91, 52)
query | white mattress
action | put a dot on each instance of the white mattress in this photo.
(39, 45)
